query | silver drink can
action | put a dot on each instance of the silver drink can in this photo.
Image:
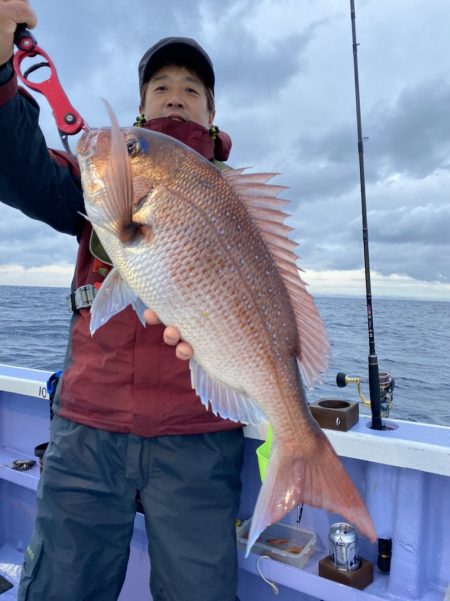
(343, 546)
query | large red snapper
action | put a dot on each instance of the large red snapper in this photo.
(208, 251)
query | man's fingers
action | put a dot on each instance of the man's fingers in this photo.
(151, 317)
(21, 12)
(28, 16)
(184, 351)
(171, 335)
(11, 14)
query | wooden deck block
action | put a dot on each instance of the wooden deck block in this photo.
(335, 414)
(359, 578)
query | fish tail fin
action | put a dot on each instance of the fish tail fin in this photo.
(314, 476)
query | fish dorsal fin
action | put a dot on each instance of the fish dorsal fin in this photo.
(265, 209)
(227, 402)
(112, 297)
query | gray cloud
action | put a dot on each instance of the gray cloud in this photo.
(32, 243)
(428, 224)
(410, 137)
(263, 71)
(285, 94)
(404, 241)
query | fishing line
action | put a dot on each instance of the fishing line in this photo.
(272, 585)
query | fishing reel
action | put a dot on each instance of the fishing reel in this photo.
(387, 385)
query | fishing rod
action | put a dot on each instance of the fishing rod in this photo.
(374, 376)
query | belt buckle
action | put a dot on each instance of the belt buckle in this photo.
(82, 298)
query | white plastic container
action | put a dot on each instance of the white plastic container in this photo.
(282, 542)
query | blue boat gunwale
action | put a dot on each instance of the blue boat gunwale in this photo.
(414, 445)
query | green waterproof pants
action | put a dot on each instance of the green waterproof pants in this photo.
(190, 489)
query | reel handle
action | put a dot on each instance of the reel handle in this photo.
(341, 380)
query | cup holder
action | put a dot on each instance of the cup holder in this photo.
(335, 414)
(328, 404)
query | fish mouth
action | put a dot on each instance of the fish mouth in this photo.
(92, 182)
(87, 143)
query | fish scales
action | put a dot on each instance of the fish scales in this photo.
(185, 240)
(215, 278)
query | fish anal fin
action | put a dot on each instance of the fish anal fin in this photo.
(227, 402)
(316, 478)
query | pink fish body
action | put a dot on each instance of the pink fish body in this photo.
(207, 250)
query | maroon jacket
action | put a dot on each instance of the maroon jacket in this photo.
(124, 378)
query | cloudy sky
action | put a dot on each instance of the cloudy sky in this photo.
(285, 94)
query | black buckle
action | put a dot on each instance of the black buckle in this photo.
(23, 465)
(71, 305)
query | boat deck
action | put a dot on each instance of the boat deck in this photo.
(402, 473)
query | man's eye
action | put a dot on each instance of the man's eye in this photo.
(191, 91)
(132, 147)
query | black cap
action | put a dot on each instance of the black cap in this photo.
(182, 51)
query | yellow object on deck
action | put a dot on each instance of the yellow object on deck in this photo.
(263, 453)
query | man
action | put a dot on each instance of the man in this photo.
(126, 418)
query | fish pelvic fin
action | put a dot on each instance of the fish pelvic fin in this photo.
(264, 206)
(316, 478)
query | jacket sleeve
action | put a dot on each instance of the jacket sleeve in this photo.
(42, 183)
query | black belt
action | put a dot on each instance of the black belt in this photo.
(82, 298)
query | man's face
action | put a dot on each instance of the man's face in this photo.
(177, 93)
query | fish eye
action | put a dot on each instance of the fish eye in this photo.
(132, 147)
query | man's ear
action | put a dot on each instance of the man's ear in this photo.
(212, 115)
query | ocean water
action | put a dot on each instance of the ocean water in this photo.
(412, 341)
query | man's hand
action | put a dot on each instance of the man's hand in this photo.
(171, 336)
(13, 12)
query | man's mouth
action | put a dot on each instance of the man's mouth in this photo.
(176, 117)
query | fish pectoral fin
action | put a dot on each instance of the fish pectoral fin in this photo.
(118, 200)
(227, 402)
(314, 475)
(139, 306)
(113, 296)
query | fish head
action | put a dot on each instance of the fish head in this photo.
(101, 162)
(123, 171)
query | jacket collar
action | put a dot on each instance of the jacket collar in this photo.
(212, 144)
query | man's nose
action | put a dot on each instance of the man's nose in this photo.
(175, 101)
